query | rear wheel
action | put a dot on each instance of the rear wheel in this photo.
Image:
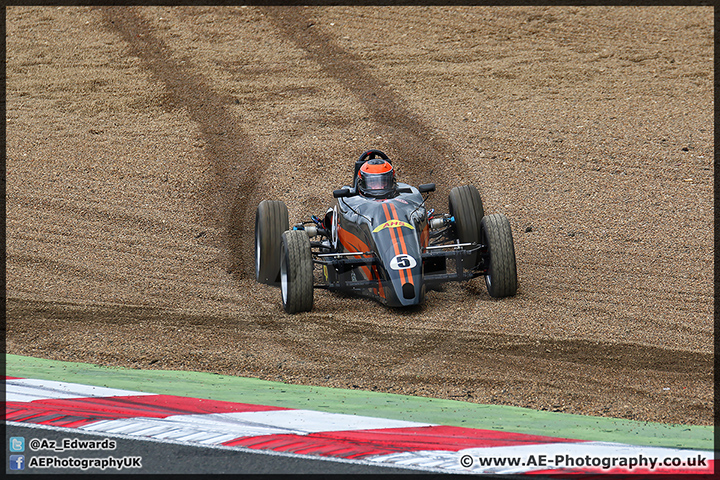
(271, 220)
(467, 209)
(296, 272)
(501, 277)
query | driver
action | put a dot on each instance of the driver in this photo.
(376, 179)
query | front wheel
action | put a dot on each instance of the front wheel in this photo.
(501, 276)
(296, 272)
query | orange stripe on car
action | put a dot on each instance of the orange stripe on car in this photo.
(407, 271)
(425, 236)
(380, 290)
(396, 245)
(352, 243)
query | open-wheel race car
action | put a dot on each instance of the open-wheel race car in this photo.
(380, 240)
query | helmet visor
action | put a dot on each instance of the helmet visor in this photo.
(379, 181)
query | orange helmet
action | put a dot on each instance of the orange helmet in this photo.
(376, 178)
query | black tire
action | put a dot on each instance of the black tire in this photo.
(271, 220)
(296, 272)
(501, 277)
(467, 208)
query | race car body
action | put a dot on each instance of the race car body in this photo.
(389, 233)
(385, 245)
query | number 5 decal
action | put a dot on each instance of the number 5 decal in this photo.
(402, 261)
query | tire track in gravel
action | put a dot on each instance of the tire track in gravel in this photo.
(412, 140)
(476, 364)
(467, 344)
(231, 153)
(229, 149)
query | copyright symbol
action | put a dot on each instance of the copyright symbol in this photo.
(34, 444)
(466, 461)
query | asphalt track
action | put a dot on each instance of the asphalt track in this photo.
(172, 458)
(183, 458)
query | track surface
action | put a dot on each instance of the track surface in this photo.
(169, 458)
(140, 141)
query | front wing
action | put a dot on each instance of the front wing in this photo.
(344, 262)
